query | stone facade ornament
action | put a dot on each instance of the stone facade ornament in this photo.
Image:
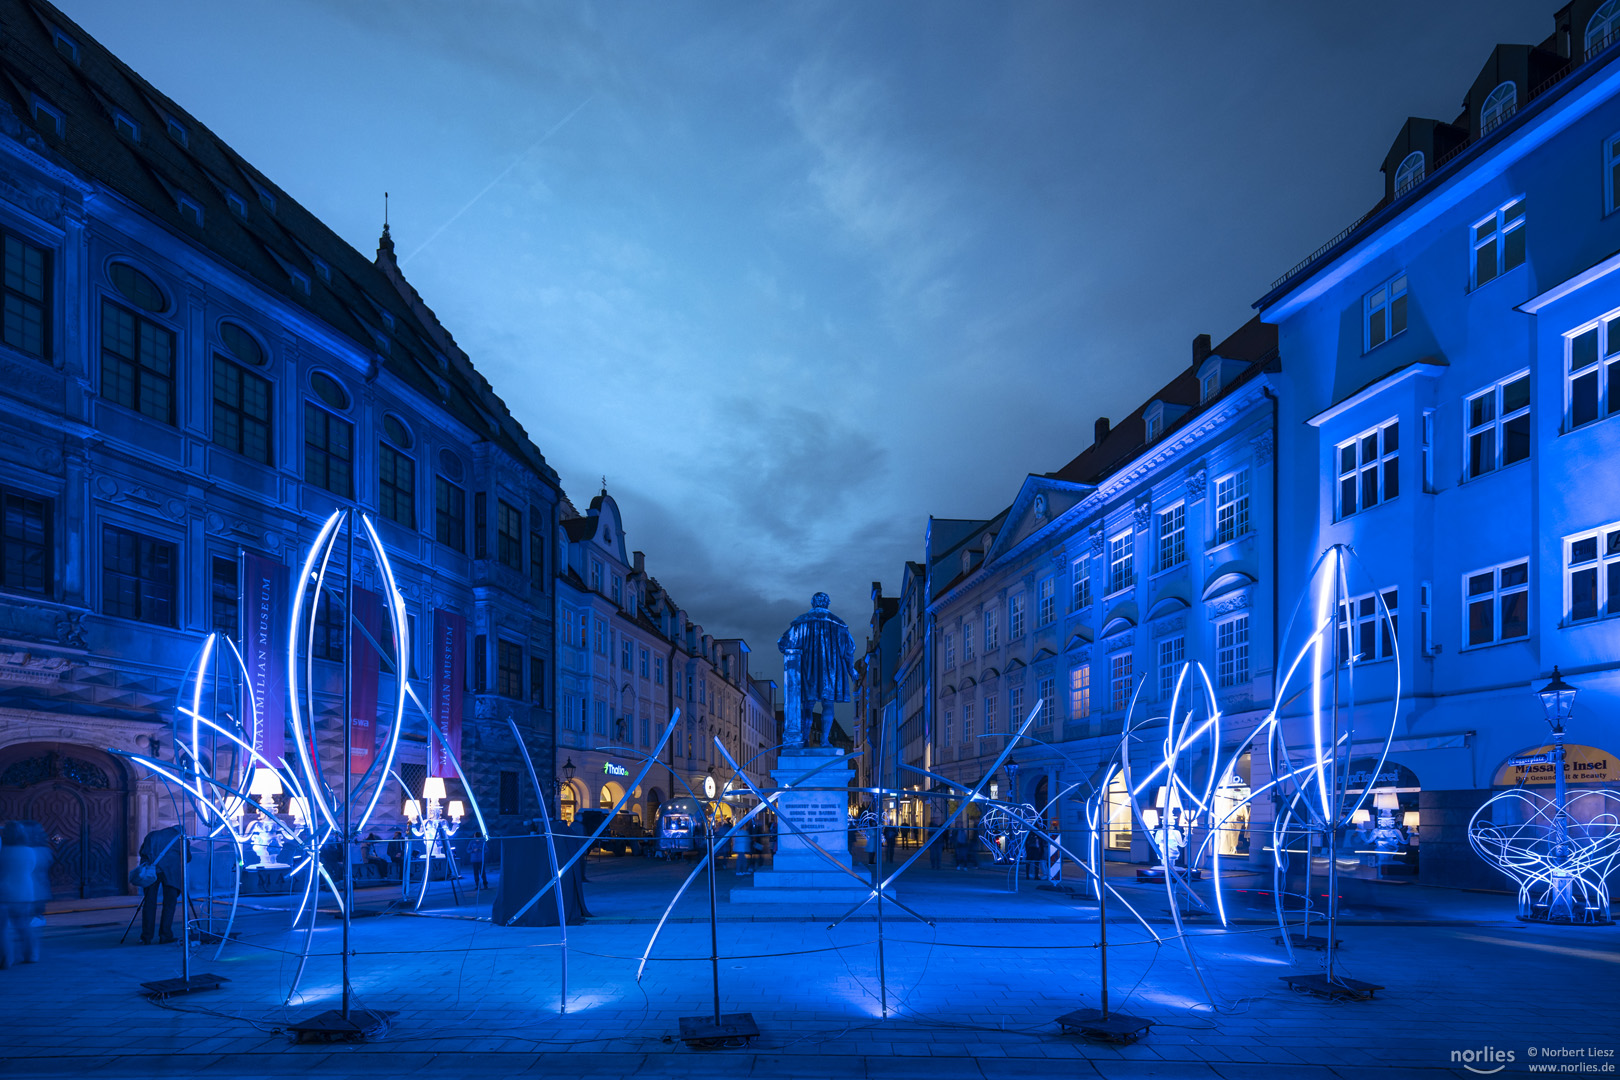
(1264, 446)
(1228, 604)
(1098, 542)
(1143, 514)
(1196, 482)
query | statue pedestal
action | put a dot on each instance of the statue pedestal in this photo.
(799, 875)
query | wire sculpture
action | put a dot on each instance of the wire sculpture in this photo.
(1560, 863)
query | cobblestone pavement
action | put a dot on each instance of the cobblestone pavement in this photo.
(975, 995)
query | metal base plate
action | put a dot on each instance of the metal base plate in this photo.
(1337, 989)
(170, 987)
(1114, 1027)
(332, 1026)
(734, 1029)
(1309, 941)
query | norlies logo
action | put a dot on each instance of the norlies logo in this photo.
(1487, 1055)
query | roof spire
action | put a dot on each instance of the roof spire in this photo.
(385, 244)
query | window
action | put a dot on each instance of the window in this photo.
(508, 668)
(48, 118)
(328, 641)
(1015, 708)
(27, 558)
(950, 651)
(222, 606)
(1080, 591)
(1209, 385)
(1172, 654)
(991, 703)
(450, 514)
(1498, 603)
(1603, 28)
(1425, 617)
(1119, 682)
(66, 46)
(267, 198)
(1232, 651)
(646, 661)
(1499, 426)
(138, 577)
(237, 204)
(23, 323)
(1045, 601)
(1594, 371)
(1015, 618)
(570, 713)
(1046, 690)
(1499, 243)
(537, 556)
(658, 670)
(1080, 692)
(967, 644)
(1155, 425)
(137, 288)
(596, 576)
(1173, 536)
(1368, 469)
(509, 793)
(508, 534)
(480, 525)
(1409, 174)
(967, 721)
(1121, 562)
(190, 209)
(537, 680)
(1426, 435)
(396, 486)
(137, 362)
(646, 731)
(480, 664)
(176, 130)
(991, 631)
(1386, 312)
(1232, 506)
(1499, 105)
(601, 637)
(627, 649)
(328, 451)
(599, 718)
(1592, 562)
(1364, 634)
(126, 126)
(949, 729)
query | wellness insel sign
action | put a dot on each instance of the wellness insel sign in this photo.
(1582, 765)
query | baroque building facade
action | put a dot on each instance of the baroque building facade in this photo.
(1448, 412)
(194, 370)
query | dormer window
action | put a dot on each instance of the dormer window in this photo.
(1159, 415)
(322, 269)
(1410, 173)
(1499, 105)
(1603, 28)
(967, 561)
(126, 125)
(1155, 425)
(267, 198)
(1209, 385)
(66, 46)
(176, 130)
(237, 204)
(190, 209)
(300, 281)
(48, 118)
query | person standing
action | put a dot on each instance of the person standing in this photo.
(936, 842)
(19, 899)
(167, 851)
(474, 850)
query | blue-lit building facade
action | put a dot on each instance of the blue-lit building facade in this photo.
(193, 367)
(1152, 547)
(1447, 410)
(628, 656)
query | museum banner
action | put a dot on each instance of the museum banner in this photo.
(365, 636)
(263, 621)
(449, 683)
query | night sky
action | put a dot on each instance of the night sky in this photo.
(796, 276)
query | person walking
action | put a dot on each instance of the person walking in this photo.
(20, 900)
(936, 842)
(396, 853)
(1034, 854)
(166, 851)
(474, 850)
(891, 837)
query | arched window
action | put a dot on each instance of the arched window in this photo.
(1410, 174)
(1603, 28)
(1499, 105)
(137, 288)
(328, 390)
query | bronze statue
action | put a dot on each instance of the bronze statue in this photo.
(818, 666)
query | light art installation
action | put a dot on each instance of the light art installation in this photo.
(1560, 864)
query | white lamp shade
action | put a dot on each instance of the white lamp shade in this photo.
(1150, 817)
(1386, 800)
(412, 810)
(457, 809)
(265, 782)
(298, 807)
(1410, 819)
(1361, 816)
(433, 788)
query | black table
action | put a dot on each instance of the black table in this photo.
(525, 867)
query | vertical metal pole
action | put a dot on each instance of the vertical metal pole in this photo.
(185, 890)
(877, 866)
(1337, 803)
(1102, 903)
(348, 757)
(714, 932)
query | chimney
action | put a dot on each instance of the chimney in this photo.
(640, 562)
(1201, 349)
(1101, 429)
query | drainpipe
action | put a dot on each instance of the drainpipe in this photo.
(1276, 517)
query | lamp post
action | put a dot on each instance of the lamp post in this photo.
(1557, 701)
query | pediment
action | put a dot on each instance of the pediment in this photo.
(1229, 582)
(1043, 653)
(1014, 665)
(1040, 501)
(1078, 639)
(988, 673)
(969, 682)
(1117, 625)
(1166, 605)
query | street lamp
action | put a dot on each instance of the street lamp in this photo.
(1557, 701)
(568, 770)
(1012, 779)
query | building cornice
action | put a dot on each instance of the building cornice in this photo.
(1427, 368)
(1572, 284)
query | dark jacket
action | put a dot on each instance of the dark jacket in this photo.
(169, 867)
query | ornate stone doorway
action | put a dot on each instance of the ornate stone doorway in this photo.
(81, 797)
